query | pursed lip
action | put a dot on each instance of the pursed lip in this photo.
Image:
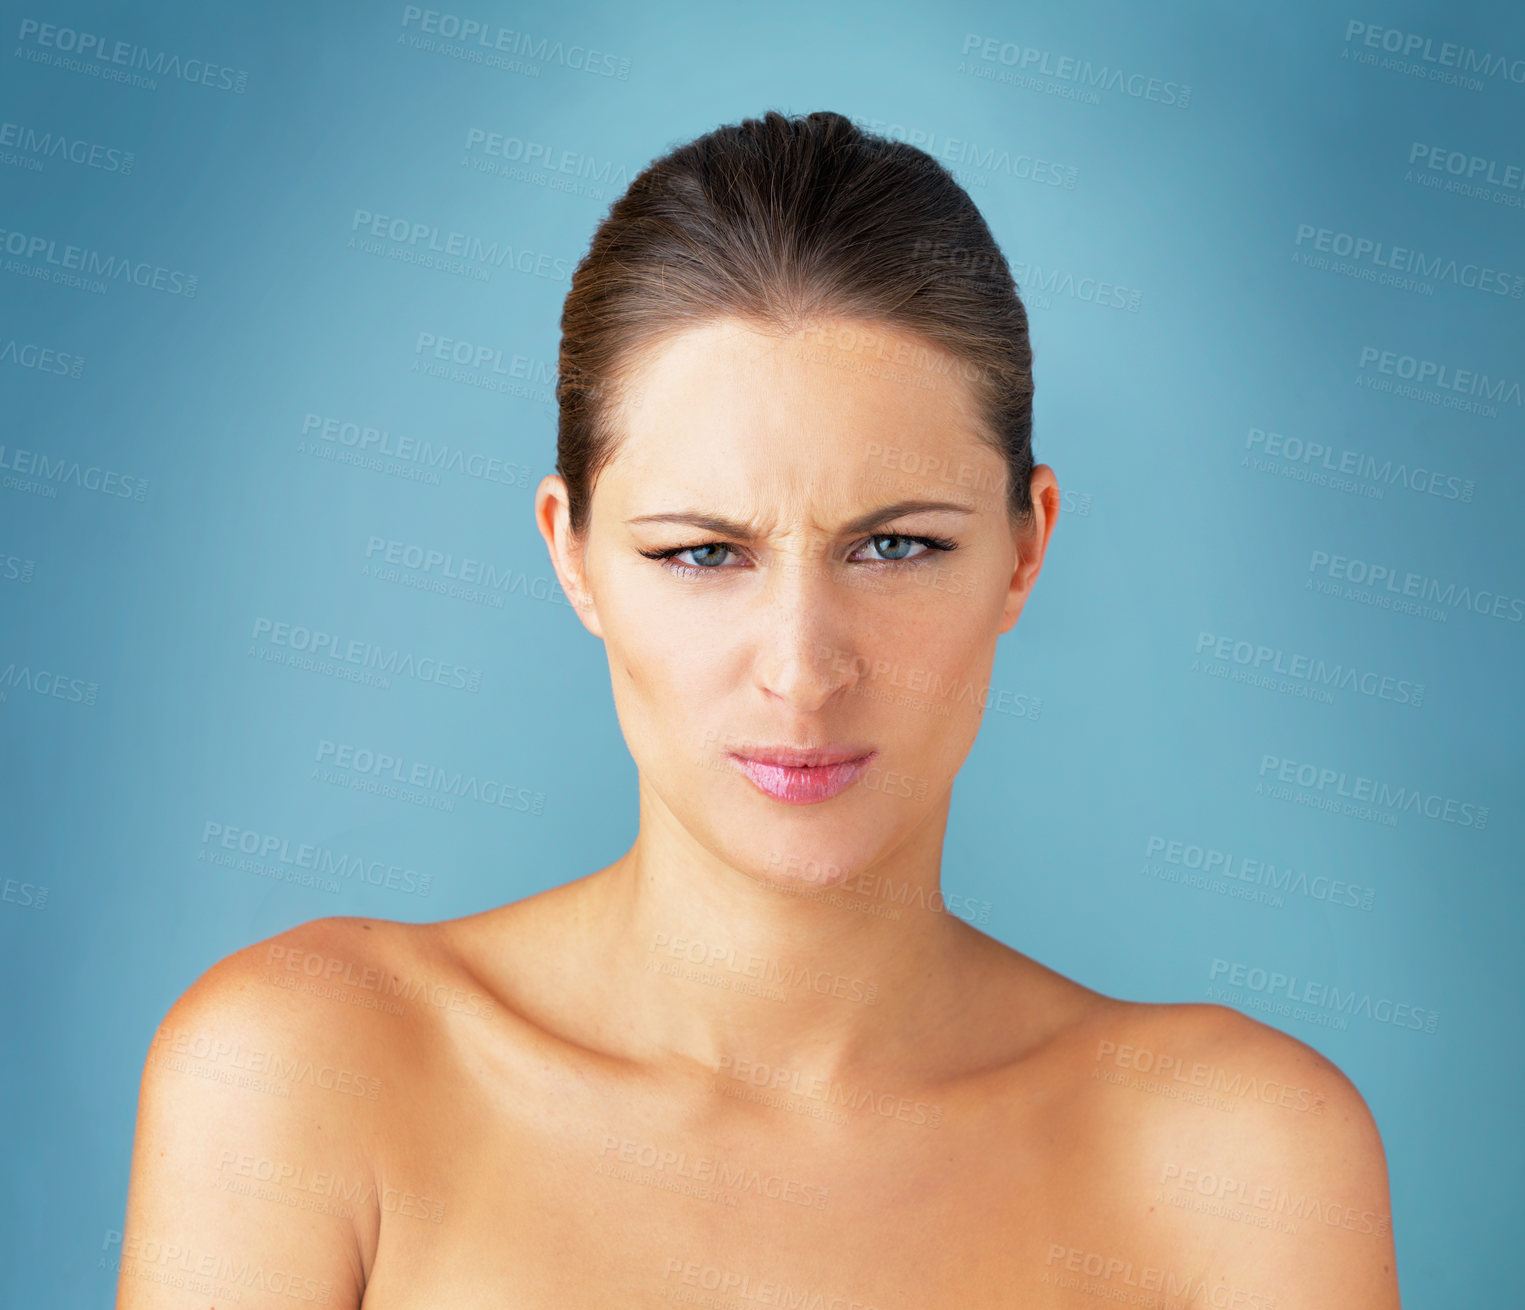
(780, 774)
(790, 758)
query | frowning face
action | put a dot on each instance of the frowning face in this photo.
(799, 561)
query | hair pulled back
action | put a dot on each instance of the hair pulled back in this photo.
(785, 222)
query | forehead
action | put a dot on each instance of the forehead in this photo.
(731, 410)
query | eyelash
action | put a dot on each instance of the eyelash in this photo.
(938, 544)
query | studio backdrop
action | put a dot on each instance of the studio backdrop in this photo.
(281, 286)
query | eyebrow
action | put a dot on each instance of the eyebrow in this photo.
(725, 527)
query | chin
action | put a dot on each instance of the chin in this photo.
(791, 861)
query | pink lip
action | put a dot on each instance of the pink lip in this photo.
(803, 777)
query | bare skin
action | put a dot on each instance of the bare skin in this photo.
(755, 1061)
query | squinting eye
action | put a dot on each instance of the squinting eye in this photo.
(906, 542)
(699, 553)
(711, 554)
(898, 553)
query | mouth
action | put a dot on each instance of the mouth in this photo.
(803, 777)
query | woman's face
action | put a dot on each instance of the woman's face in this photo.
(801, 544)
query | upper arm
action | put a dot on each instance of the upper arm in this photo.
(1287, 1193)
(247, 1175)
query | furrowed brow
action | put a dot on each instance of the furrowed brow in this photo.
(724, 527)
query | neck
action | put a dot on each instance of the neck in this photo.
(701, 961)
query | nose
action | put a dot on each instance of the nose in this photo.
(805, 651)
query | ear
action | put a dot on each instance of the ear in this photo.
(1031, 542)
(568, 555)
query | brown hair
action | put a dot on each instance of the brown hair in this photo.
(783, 222)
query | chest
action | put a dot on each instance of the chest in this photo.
(574, 1192)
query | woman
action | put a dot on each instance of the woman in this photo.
(756, 1061)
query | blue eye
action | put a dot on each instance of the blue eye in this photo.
(713, 558)
(933, 545)
(889, 536)
(709, 554)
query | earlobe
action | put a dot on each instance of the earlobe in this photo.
(582, 603)
(1012, 610)
(1031, 545)
(553, 520)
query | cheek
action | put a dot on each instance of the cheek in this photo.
(944, 632)
(668, 674)
(654, 614)
(924, 683)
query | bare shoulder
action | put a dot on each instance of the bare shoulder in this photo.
(336, 1005)
(315, 983)
(1206, 1051)
(1243, 1148)
(1207, 1057)
(263, 1098)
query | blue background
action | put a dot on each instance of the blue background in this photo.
(145, 713)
